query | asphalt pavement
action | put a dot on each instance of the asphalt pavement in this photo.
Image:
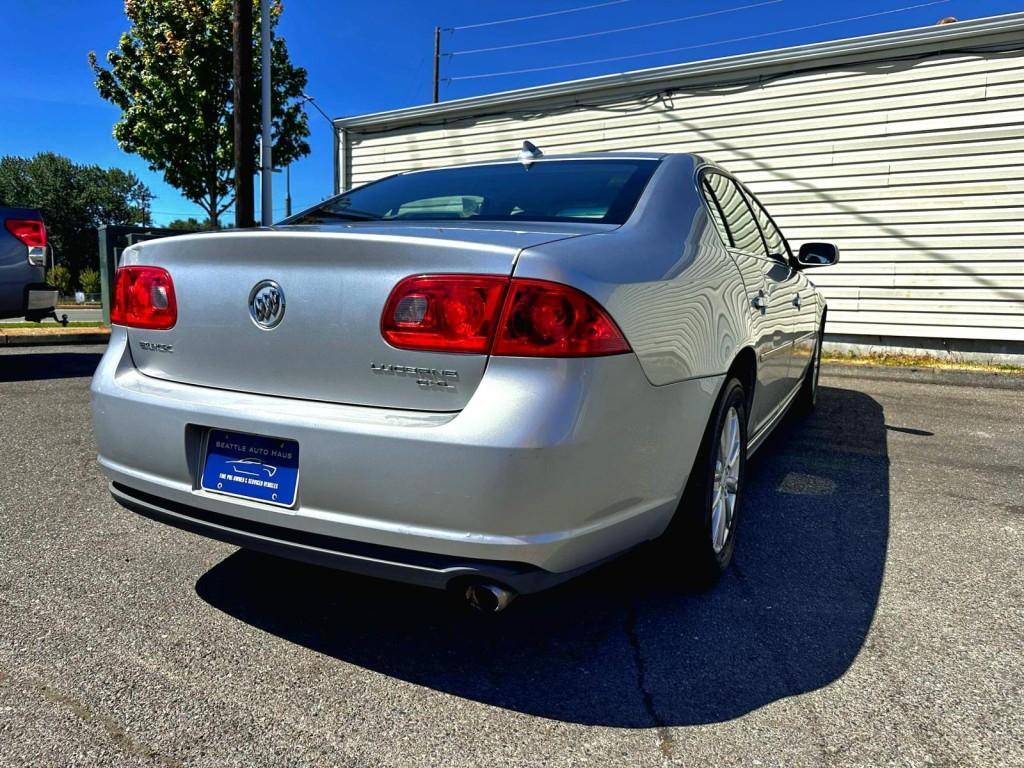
(874, 616)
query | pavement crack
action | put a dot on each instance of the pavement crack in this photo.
(81, 710)
(661, 725)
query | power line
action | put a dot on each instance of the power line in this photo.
(536, 16)
(700, 45)
(645, 99)
(619, 29)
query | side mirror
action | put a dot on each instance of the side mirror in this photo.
(817, 255)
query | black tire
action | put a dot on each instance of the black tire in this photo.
(689, 549)
(808, 396)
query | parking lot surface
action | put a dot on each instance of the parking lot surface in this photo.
(874, 616)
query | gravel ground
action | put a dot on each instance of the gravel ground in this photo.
(875, 615)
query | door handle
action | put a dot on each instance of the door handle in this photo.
(758, 302)
(796, 300)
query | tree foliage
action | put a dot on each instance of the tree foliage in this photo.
(60, 277)
(89, 280)
(74, 200)
(171, 76)
(191, 224)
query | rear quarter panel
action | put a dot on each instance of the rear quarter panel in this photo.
(664, 276)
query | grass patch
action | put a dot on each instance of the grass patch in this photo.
(920, 361)
(71, 324)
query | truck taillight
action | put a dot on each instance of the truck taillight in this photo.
(31, 232)
(490, 313)
(144, 298)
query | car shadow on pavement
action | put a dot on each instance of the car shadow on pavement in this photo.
(620, 647)
(36, 366)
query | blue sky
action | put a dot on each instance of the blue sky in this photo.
(365, 57)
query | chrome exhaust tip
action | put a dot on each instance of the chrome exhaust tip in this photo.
(487, 597)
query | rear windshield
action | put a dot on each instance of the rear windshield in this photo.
(601, 191)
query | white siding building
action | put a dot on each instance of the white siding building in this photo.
(905, 148)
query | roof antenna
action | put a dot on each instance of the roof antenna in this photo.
(528, 154)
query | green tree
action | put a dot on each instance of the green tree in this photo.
(74, 200)
(171, 76)
(60, 277)
(89, 279)
(191, 224)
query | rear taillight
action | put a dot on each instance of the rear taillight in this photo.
(31, 232)
(543, 319)
(444, 313)
(144, 298)
(481, 313)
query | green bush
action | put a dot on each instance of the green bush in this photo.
(89, 279)
(60, 276)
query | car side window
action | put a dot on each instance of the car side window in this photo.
(739, 219)
(777, 245)
(715, 211)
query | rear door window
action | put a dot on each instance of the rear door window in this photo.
(777, 245)
(739, 219)
(715, 211)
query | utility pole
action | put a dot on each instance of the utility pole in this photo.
(241, 53)
(266, 164)
(437, 59)
(288, 190)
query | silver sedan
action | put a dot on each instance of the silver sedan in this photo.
(484, 378)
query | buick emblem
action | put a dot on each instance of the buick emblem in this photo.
(266, 304)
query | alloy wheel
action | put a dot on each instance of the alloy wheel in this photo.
(727, 480)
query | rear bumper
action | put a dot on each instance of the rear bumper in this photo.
(422, 568)
(22, 289)
(554, 466)
(40, 300)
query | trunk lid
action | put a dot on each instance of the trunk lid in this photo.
(335, 281)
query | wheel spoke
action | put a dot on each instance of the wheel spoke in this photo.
(734, 423)
(733, 454)
(722, 524)
(734, 457)
(716, 521)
